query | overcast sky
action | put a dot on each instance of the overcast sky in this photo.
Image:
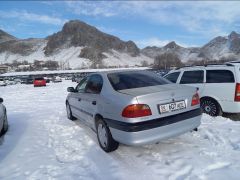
(147, 23)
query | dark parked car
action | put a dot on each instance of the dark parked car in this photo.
(26, 81)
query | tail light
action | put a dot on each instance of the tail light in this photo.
(136, 110)
(237, 92)
(195, 100)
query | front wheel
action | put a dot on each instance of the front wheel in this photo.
(5, 125)
(69, 112)
(105, 140)
(211, 107)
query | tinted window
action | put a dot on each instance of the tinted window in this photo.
(81, 86)
(192, 77)
(94, 84)
(172, 77)
(219, 76)
(138, 79)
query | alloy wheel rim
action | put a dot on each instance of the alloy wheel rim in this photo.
(102, 135)
(209, 107)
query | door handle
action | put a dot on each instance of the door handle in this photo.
(79, 99)
(94, 102)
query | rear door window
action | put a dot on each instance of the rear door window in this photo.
(94, 84)
(172, 77)
(192, 77)
(219, 76)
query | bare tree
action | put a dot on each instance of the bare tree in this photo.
(167, 60)
(144, 63)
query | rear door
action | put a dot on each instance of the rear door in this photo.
(193, 78)
(220, 83)
(173, 77)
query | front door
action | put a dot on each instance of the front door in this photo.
(77, 100)
(92, 97)
(193, 78)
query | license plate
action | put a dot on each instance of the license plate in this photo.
(174, 106)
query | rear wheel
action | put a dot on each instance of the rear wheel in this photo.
(69, 112)
(211, 107)
(5, 125)
(105, 140)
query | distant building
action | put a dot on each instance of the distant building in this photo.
(3, 69)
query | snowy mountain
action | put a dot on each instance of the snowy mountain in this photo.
(185, 54)
(78, 45)
(218, 48)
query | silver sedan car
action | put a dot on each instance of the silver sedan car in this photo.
(3, 118)
(133, 107)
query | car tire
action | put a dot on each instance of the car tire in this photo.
(210, 107)
(104, 136)
(69, 112)
(5, 125)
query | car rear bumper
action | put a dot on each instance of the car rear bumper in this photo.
(153, 131)
(39, 85)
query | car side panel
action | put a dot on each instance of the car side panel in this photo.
(76, 101)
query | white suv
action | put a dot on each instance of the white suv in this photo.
(219, 86)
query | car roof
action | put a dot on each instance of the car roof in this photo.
(229, 65)
(118, 71)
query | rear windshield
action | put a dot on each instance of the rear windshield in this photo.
(138, 79)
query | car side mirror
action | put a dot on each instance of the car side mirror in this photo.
(1, 100)
(71, 89)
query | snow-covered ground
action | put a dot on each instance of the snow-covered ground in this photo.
(43, 144)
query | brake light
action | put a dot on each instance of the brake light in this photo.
(237, 92)
(195, 100)
(136, 110)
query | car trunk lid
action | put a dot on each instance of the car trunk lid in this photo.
(161, 92)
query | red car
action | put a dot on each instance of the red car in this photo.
(39, 82)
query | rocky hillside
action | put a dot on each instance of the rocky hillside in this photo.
(219, 48)
(5, 36)
(22, 47)
(76, 33)
(77, 44)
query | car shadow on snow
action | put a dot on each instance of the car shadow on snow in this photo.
(232, 116)
(17, 126)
